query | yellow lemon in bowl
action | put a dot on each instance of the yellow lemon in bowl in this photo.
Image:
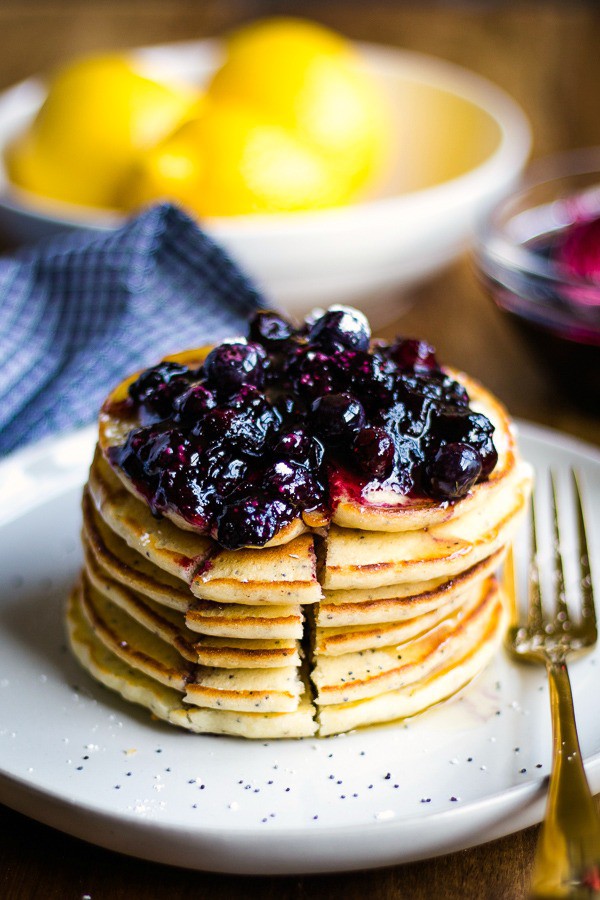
(99, 114)
(292, 121)
(233, 160)
(311, 81)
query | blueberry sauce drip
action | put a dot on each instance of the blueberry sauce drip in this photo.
(282, 424)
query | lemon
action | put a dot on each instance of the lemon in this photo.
(311, 81)
(98, 116)
(233, 161)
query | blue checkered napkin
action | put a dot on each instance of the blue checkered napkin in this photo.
(83, 310)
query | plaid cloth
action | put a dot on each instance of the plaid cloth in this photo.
(83, 310)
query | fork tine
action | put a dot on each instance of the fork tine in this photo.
(562, 610)
(588, 611)
(534, 615)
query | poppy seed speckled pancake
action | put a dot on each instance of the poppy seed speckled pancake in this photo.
(244, 621)
(350, 638)
(167, 623)
(414, 698)
(230, 653)
(247, 690)
(363, 499)
(125, 565)
(171, 626)
(131, 641)
(270, 688)
(276, 575)
(367, 673)
(166, 703)
(106, 552)
(371, 559)
(397, 602)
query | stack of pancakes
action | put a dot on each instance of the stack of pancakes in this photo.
(393, 609)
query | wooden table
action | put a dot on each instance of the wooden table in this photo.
(546, 56)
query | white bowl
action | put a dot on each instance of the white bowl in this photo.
(460, 143)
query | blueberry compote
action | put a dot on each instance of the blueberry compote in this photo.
(281, 424)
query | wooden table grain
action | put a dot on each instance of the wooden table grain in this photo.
(546, 56)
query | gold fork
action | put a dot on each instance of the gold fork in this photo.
(567, 861)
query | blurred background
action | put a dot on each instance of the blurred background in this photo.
(542, 54)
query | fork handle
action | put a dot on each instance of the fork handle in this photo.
(567, 861)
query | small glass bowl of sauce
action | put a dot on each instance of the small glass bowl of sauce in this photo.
(539, 256)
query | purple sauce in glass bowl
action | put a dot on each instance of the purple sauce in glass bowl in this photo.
(538, 253)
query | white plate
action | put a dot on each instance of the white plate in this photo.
(415, 221)
(75, 756)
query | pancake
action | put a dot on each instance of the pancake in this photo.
(118, 562)
(398, 602)
(268, 688)
(388, 608)
(245, 621)
(247, 690)
(166, 703)
(230, 653)
(132, 642)
(368, 558)
(273, 575)
(367, 673)
(352, 638)
(167, 623)
(422, 695)
(123, 564)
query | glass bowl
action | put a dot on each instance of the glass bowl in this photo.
(538, 253)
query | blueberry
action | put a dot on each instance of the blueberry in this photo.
(216, 426)
(232, 364)
(314, 374)
(373, 379)
(410, 459)
(235, 431)
(251, 522)
(157, 389)
(453, 471)
(413, 355)
(169, 449)
(336, 418)
(154, 379)
(339, 327)
(247, 399)
(432, 386)
(462, 424)
(225, 472)
(288, 409)
(299, 446)
(374, 452)
(489, 455)
(194, 403)
(409, 417)
(149, 450)
(188, 493)
(294, 484)
(270, 329)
